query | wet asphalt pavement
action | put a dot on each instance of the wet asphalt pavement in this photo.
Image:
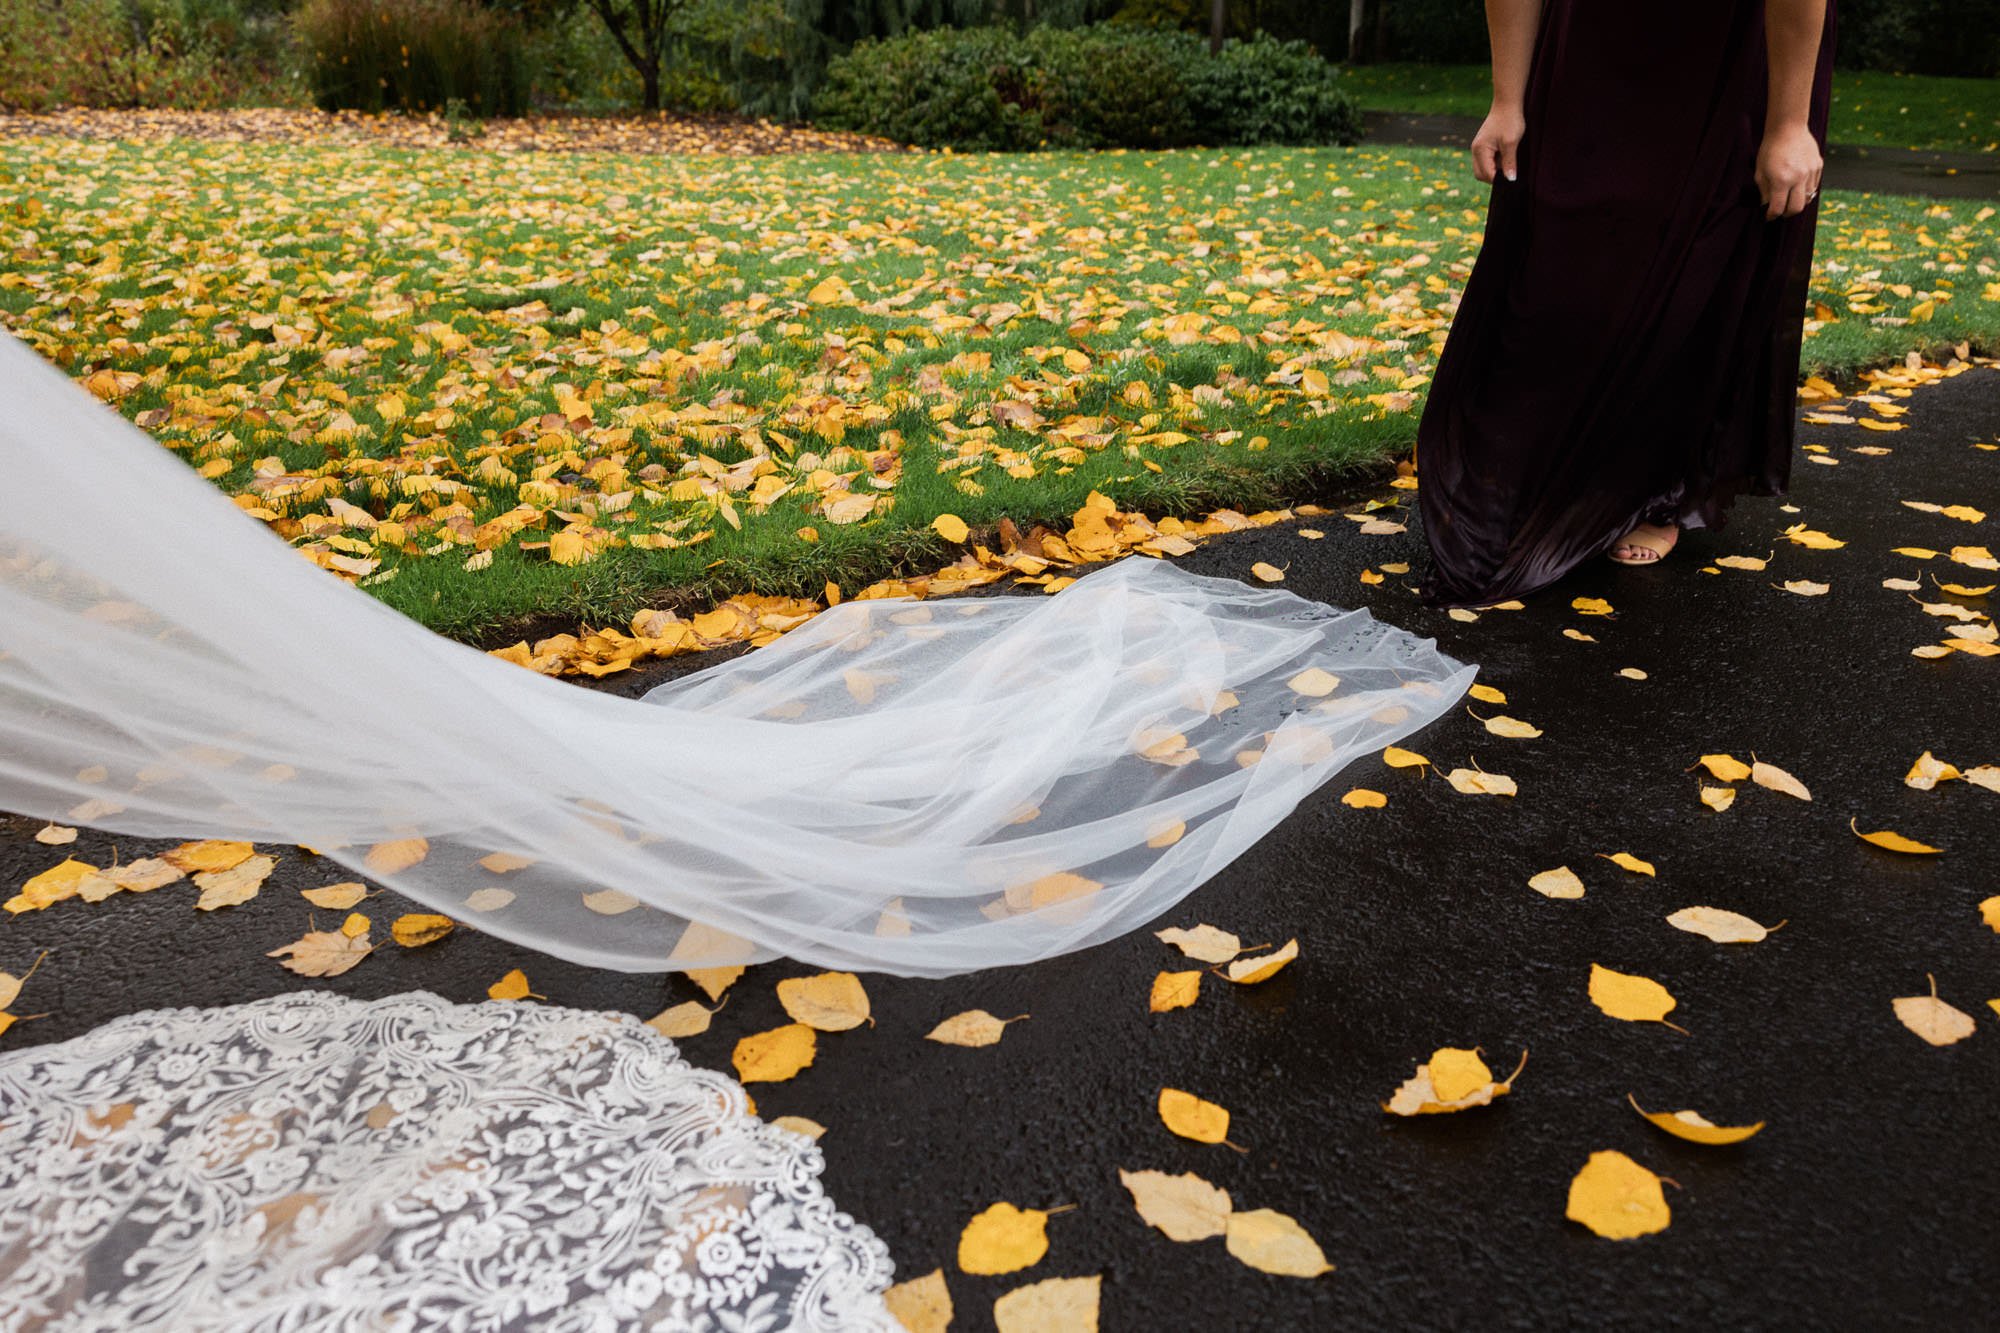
(1868, 1202)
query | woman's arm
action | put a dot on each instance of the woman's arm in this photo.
(1510, 25)
(1788, 162)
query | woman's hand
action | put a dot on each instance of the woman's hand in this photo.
(1788, 170)
(1496, 148)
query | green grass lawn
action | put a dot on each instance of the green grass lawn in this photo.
(496, 388)
(1869, 107)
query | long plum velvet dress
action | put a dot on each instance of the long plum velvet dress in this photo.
(1627, 346)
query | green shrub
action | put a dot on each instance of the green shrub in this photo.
(413, 55)
(99, 53)
(1108, 85)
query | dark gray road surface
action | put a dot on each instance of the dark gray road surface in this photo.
(1869, 1202)
(1848, 166)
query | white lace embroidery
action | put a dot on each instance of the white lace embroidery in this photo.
(310, 1161)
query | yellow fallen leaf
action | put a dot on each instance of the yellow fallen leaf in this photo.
(58, 882)
(1166, 835)
(1250, 971)
(1631, 998)
(1965, 590)
(1617, 1198)
(1486, 694)
(1694, 1127)
(1777, 779)
(513, 986)
(1184, 1207)
(1363, 798)
(1628, 862)
(1513, 728)
(1631, 673)
(922, 1304)
(1894, 842)
(1004, 1239)
(1813, 539)
(1314, 683)
(211, 854)
(322, 953)
(55, 835)
(1591, 606)
(1562, 882)
(386, 858)
(974, 1027)
(413, 929)
(713, 981)
(238, 884)
(1989, 912)
(1397, 757)
(1204, 943)
(1192, 1118)
(827, 1001)
(1725, 768)
(1268, 573)
(1174, 990)
(501, 863)
(1932, 1019)
(10, 985)
(950, 527)
(1271, 1242)
(1716, 924)
(1478, 782)
(1718, 798)
(337, 897)
(1053, 1305)
(774, 1056)
(1742, 561)
(689, 1018)
(1805, 587)
(1420, 1094)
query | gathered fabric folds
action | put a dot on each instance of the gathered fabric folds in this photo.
(921, 788)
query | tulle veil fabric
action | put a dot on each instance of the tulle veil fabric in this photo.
(920, 788)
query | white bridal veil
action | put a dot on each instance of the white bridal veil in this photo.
(922, 788)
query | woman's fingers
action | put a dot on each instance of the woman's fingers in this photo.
(1509, 158)
(1483, 158)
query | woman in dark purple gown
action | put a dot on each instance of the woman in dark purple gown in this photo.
(1625, 357)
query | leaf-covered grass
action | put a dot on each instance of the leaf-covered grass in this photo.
(500, 389)
(1869, 106)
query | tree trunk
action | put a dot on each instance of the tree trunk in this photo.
(649, 80)
(1218, 19)
(1357, 19)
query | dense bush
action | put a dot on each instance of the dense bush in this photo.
(102, 53)
(1921, 36)
(414, 55)
(1108, 85)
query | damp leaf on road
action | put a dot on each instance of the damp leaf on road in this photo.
(826, 1001)
(1931, 1018)
(1634, 999)
(974, 1027)
(1695, 1127)
(774, 1056)
(1271, 1242)
(1184, 1207)
(1617, 1198)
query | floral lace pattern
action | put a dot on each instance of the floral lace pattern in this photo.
(310, 1161)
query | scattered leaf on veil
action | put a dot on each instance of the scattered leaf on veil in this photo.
(1893, 841)
(386, 858)
(1617, 1198)
(1629, 862)
(1562, 882)
(209, 854)
(1633, 999)
(1928, 771)
(774, 1056)
(1777, 779)
(1363, 798)
(1050, 890)
(1725, 768)
(1204, 944)
(55, 835)
(922, 1304)
(1166, 835)
(1723, 927)
(501, 863)
(51, 886)
(1451, 1080)
(1174, 990)
(1164, 747)
(1397, 757)
(1694, 1127)
(1268, 573)
(1184, 1207)
(238, 884)
(1053, 1305)
(413, 929)
(1192, 1118)
(1005, 1239)
(513, 986)
(1932, 1019)
(1250, 971)
(1314, 683)
(340, 897)
(828, 1001)
(322, 953)
(974, 1027)
(1271, 1242)
(686, 1019)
